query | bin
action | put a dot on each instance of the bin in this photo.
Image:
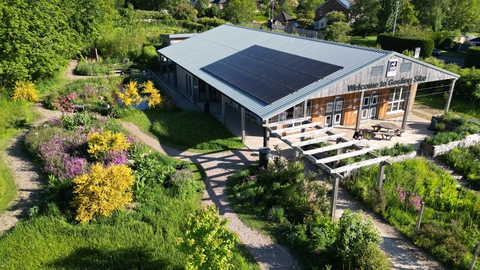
(264, 154)
(206, 107)
(432, 124)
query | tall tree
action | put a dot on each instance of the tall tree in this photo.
(238, 11)
(201, 6)
(35, 39)
(407, 15)
(462, 15)
(365, 15)
(432, 12)
(337, 29)
(386, 15)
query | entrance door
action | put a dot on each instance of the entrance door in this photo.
(370, 106)
(334, 112)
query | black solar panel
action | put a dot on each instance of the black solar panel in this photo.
(267, 74)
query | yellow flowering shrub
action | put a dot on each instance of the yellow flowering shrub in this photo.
(154, 99)
(130, 96)
(24, 90)
(100, 144)
(102, 191)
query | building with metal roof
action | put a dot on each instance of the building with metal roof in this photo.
(276, 78)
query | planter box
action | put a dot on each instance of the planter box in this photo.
(403, 157)
(448, 125)
(435, 150)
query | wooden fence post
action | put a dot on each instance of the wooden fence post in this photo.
(474, 259)
(334, 197)
(380, 178)
(419, 220)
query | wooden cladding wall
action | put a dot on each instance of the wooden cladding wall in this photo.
(350, 108)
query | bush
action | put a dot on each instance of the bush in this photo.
(397, 150)
(183, 184)
(207, 242)
(439, 127)
(150, 58)
(102, 191)
(444, 138)
(24, 90)
(99, 144)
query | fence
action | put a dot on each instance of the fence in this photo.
(290, 30)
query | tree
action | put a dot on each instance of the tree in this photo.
(201, 6)
(462, 15)
(306, 9)
(337, 29)
(184, 12)
(365, 16)
(407, 15)
(432, 12)
(238, 11)
(386, 15)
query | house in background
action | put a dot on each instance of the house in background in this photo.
(320, 21)
(219, 3)
(278, 79)
(285, 20)
(475, 41)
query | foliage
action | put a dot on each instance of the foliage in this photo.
(454, 212)
(208, 243)
(64, 103)
(444, 138)
(102, 191)
(101, 143)
(337, 29)
(183, 184)
(24, 90)
(149, 58)
(184, 12)
(239, 11)
(154, 99)
(130, 95)
(211, 22)
(355, 233)
(365, 14)
(90, 68)
(399, 44)
(465, 161)
(472, 59)
(397, 150)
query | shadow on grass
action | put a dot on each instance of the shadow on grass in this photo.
(128, 258)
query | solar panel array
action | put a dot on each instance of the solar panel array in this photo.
(267, 74)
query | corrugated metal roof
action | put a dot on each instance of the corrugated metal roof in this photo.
(211, 46)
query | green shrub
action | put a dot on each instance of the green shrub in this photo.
(439, 127)
(91, 68)
(276, 214)
(149, 58)
(472, 58)
(465, 161)
(444, 138)
(397, 150)
(184, 184)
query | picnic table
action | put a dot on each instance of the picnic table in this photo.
(388, 126)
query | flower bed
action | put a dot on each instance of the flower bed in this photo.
(449, 229)
(465, 160)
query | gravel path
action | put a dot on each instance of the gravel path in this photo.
(219, 167)
(27, 176)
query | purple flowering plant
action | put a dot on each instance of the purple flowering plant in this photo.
(409, 198)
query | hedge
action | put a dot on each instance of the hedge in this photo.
(400, 44)
(472, 58)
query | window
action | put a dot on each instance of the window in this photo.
(396, 100)
(366, 101)
(329, 107)
(320, 13)
(364, 113)
(328, 120)
(309, 108)
(374, 100)
(338, 117)
(339, 105)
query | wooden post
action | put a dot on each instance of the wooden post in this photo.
(419, 220)
(266, 136)
(334, 197)
(242, 113)
(359, 111)
(474, 259)
(380, 178)
(223, 109)
(450, 94)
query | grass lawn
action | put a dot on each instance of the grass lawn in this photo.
(453, 54)
(368, 41)
(458, 105)
(186, 130)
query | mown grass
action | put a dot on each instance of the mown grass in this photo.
(186, 130)
(143, 238)
(368, 41)
(458, 105)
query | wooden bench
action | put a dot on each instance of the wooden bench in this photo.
(387, 135)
